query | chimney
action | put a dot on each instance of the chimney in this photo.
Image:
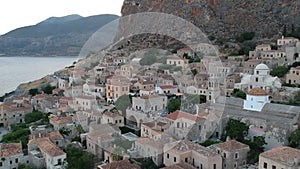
(40, 135)
(296, 161)
(228, 138)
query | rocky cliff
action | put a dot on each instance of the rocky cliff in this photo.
(226, 19)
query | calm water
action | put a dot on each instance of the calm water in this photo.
(17, 70)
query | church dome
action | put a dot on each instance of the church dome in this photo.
(262, 67)
(257, 92)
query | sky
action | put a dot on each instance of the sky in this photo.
(19, 13)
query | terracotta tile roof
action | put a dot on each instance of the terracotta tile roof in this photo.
(231, 145)
(40, 96)
(257, 92)
(110, 114)
(179, 114)
(180, 166)
(283, 154)
(187, 146)
(55, 135)
(124, 164)
(13, 107)
(47, 146)
(61, 120)
(152, 124)
(11, 149)
(168, 87)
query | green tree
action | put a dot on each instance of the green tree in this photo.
(279, 71)
(246, 47)
(123, 103)
(80, 129)
(33, 92)
(48, 89)
(78, 159)
(235, 130)
(174, 104)
(256, 147)
(294, 139)
(33, 117)
(246, 36)
(15, 136)
(239, 93)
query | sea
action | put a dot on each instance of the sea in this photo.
(17, 70)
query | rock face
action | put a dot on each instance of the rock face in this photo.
(226, 19)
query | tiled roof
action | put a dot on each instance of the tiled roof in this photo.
(257, 92)
(48, 147)
(180, 166)
(283, 154)
(231, 145)
(186, 145)
(110, 114)
(124, 164)
(62, 120)
(11, 149)
(168, 87)
(55, 135)
(179, 114)
(13, 107)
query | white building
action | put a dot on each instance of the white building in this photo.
(256, 99)
(260, 79)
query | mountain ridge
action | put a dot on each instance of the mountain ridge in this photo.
(59, 38)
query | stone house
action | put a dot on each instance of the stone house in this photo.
(56, 138)
(287, 41)
(177, 61)
(43, 153)
(93, 89)
(154, 129)
(181, 124)
(117, 86)
(100, 137)
(280, 157)
(192, 153)
(112, 118)
(13, 113)
(165, 80)
(11, 156)
(85, 103)
(73, 91)
(293, 77)
(152, 148)
(150, 103)
(234, 153)
(61, 122)
(167, 89)
(250, 65)
(63, 83)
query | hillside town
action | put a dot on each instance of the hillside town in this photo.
(183, 110)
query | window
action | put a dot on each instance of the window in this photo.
(256, 79)
(265, 165)
(1, 164)
(273, 167)
(174, 159)
(236, 155)
(186, 160)
(224, 155)
(168, 155)
(10, 162)
(215, 166)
